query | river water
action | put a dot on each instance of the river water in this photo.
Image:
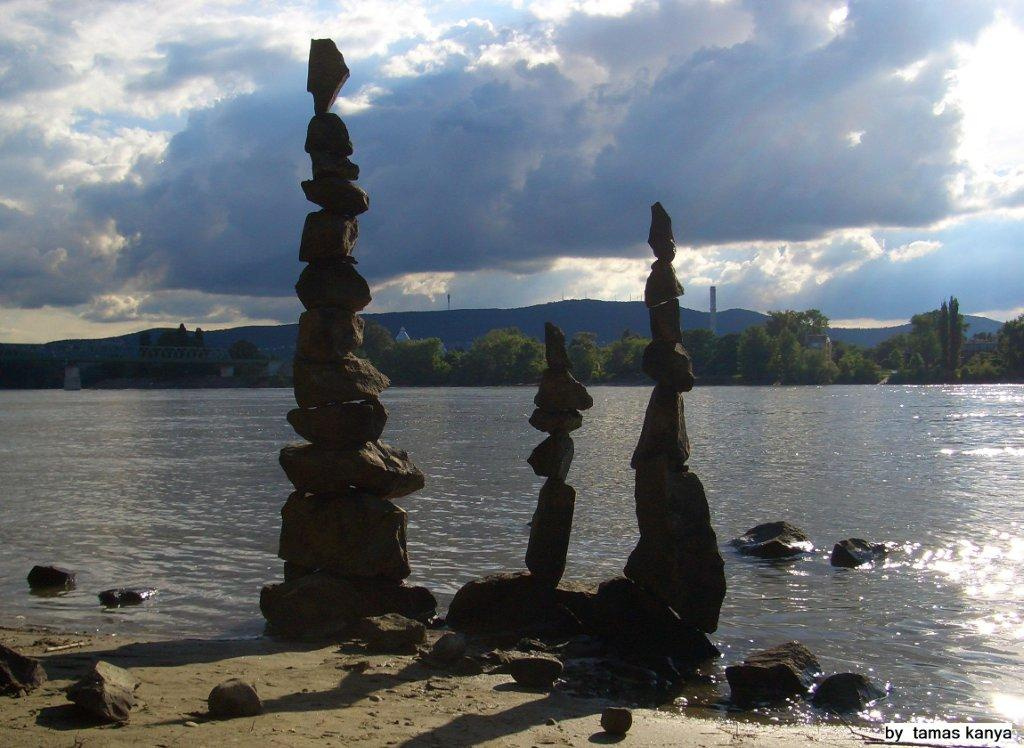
(180, 490)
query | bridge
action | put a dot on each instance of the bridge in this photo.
(72, 355)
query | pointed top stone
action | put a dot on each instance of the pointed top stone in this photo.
(660, 237)
(327, 73)
(554, 348)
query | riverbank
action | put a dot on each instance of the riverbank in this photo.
(317, 694)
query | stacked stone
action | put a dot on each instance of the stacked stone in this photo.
(677, 558)
(559, 401)
(342, 539)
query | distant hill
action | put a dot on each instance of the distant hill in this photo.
(458, 328)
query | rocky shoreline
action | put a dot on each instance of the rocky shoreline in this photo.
(329, 694)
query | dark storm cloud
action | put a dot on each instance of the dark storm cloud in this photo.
(740, 118)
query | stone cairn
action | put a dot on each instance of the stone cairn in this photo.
(559, 401)
(677, 558)
(342, 540)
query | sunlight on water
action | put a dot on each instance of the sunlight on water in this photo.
(182, 491)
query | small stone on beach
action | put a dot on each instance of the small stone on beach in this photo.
(616, 720)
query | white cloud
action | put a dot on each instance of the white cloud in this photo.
(913, 250)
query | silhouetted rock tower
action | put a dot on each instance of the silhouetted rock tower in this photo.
(342, 539)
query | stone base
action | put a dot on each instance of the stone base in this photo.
(677, 558)
(321, 605)
(520, 603)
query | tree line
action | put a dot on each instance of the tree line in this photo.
(790, 348)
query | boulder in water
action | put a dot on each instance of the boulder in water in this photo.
(773, 675)
(854, 552)
(773, 540)
(120, 596)
(846, 692)
(51, 578)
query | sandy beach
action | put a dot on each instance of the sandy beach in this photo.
(333, 695)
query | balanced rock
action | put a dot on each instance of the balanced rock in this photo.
(321, 604)
(334, 283)
(347, 379)
(773, 540)
(665, 322)
(854, 552)
(660, 237)
(535, 671)
(773, 674)
(449, 648)
(374, 467)
(554, 348)
(553, 421)
(662, 284)
(846, 692)
(391, 632)
(639, 625)
(616, 720)
(327, 73)
(337, 195)
(664, 431)
(559, 390)
(553, 456)
(327, 132)
(550, 532)
(50, 578)
(330, 164)
(677, 557)
(106, 692)
(328, 334)
(234, 698)
(19, 674)
(120, 596)
(341, 426)
(669, 365)
(350, 534)
(327, 236)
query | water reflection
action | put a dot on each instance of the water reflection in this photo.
(181, 491)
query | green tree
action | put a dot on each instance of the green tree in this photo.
(586, 357)
(419, 362)
(942, 330)
(244, 349)
(624, 358)
(957, 328)
(856, 368)
(503, 356)
(724, 359)
(801, 324)
(787, 359)
(1011, 345)
(700, 344)
(754, 354)
(378, 344)
(816, 367)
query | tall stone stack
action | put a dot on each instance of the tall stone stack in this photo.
(342, 540)
(677, 558)
(559, 400)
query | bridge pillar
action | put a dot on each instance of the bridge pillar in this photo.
(227, 370)
(72, 378)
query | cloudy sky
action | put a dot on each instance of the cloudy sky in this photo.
(866, 158)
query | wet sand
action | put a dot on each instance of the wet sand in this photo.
(334, 695)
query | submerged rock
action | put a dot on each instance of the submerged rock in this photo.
(234, 698)
(846, 692)
(115, 598)
(106, 692)
(773, 674)
(773, 540)
(535, 671)
(19, 674)
(854, 552)
(51, 577)
(391, 632)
